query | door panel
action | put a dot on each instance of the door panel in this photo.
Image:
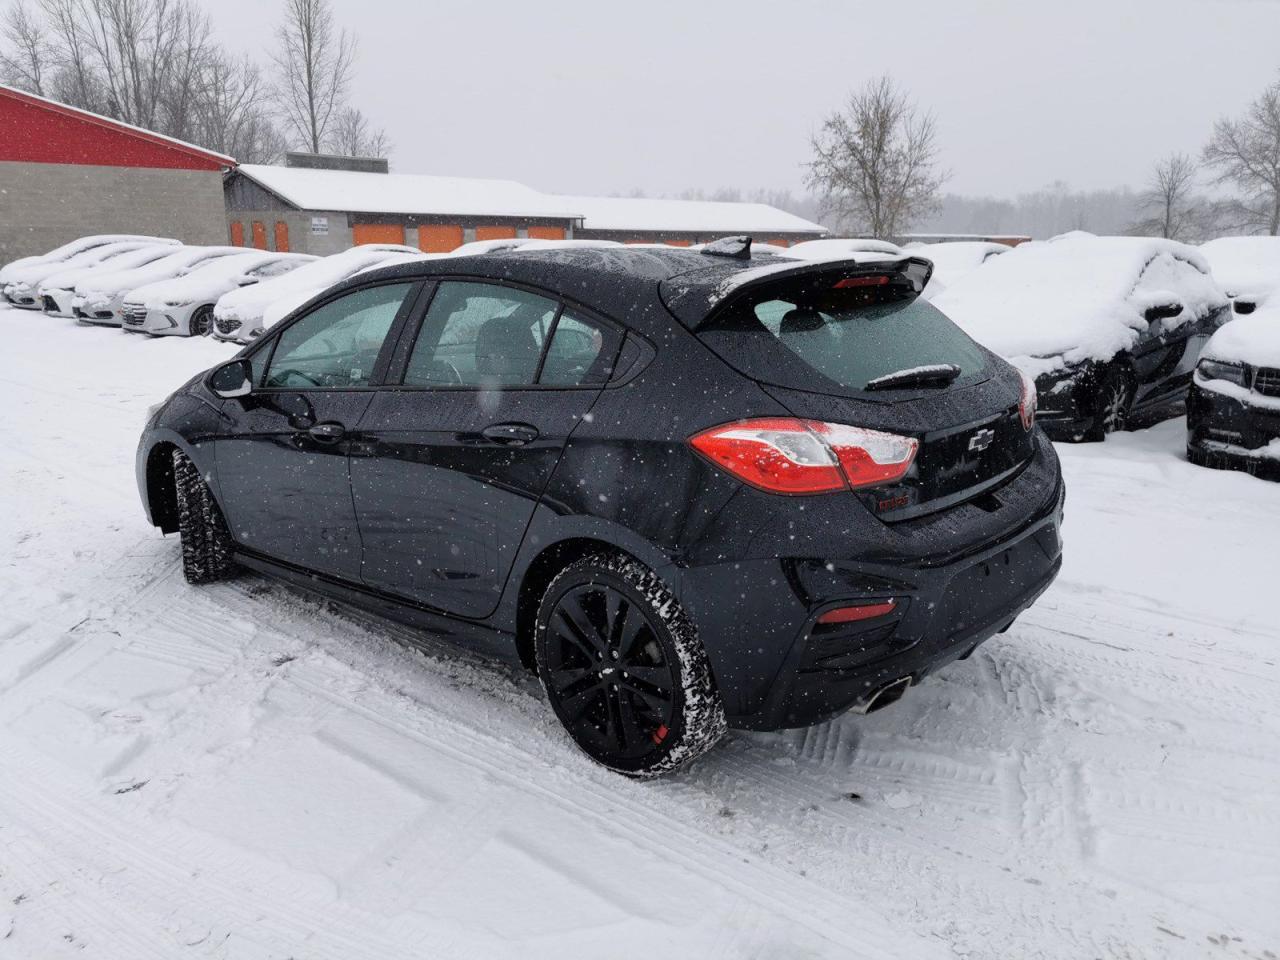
(282, 237)
(443, 508)
(377, 233)
(451, 464)
(495, 233)
(439, 237)
(285, 493)
(282, 459)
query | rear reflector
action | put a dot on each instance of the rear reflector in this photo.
(793, 456)
(861, 611)
(877, 281)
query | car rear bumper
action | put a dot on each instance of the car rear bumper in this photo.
(1228, 433)
(945, 606)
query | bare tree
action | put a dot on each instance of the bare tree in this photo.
(875, 162)
(231, 114)
(1169, 206)
(26, 66)
(353, 135)
(315, 61)
(1245, 153)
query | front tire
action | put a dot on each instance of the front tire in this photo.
(1113, 403)
(201, 323)
(623, 668)
(202, 530)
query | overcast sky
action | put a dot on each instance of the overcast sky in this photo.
(664, 95)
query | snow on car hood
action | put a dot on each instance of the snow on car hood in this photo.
(68, 279)
(206, 282)
(951, 261)
(248, 303)
(1253, 339)
(1244, 265)
(35, 273)
(1078, 297)
(60, 255)
(111, 283)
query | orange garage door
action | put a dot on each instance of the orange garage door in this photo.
(237, 233)
(282, 237)
(377, 233)
(259, 235)
(546, 233)
(495, 233)
(439, 237)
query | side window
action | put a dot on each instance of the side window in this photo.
(480, 334)
(337, 344)
(581, 352)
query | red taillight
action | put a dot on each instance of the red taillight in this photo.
(876, 281)
(1027, 405)
(861, 611)
(789, 455)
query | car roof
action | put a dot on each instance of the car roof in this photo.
(620, 281)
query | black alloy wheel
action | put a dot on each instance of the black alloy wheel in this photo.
(624, 670)
(202, 321)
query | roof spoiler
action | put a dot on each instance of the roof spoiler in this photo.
(696, 297)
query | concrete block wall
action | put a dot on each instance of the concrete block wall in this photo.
(43, 205)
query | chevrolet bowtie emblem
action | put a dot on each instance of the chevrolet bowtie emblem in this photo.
(981, 440)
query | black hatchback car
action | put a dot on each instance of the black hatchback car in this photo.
(691, 490)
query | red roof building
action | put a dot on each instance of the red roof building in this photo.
(67, 173)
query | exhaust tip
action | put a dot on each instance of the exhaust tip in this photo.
(883, 696)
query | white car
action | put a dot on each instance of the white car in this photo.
(238, 315)
(951, 261)
(277, 310)
(23, 289)
(836, 248)
(1247, 269)
(99, 300)
(9, 272)
(56, 292)
(183, 306)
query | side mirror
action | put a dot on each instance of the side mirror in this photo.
(246, 281)
(232, 379)
(1242, 306)
(1162, 311)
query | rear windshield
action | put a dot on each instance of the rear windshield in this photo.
(819, 337)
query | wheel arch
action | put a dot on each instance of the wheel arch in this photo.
(154, 469)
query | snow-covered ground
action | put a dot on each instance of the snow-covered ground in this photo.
(246, 772)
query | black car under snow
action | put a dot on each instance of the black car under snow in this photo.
(691, 489)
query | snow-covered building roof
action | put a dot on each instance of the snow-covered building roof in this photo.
(406, 193)
(646, 215)
(411, 194)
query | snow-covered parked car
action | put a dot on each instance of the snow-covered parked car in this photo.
(9, 273)
(183, 306)
(1246, 268)
(1107, 326)
(1233, 408)
(23, 290)
(56, 292)
(953, 260)
(833, 248)
(277, 310)
(238, 315)
(100, 300)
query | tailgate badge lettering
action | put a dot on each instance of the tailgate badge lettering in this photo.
(981, 440)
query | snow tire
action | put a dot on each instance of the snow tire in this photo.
(698, 718)
(202, 530)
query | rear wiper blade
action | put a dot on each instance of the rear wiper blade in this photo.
(933, 374)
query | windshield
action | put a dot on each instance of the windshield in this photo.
(822, 337)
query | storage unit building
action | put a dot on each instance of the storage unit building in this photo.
(322, 205)
(323, 211)
(66, 173)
